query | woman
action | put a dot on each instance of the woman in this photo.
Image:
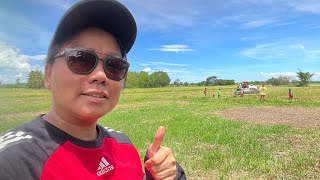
(85, 71)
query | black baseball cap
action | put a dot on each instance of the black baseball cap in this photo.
(109, 15)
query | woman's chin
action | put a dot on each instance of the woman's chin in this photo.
(92, 117)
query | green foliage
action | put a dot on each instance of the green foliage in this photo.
(144, 80)
(282, 80)
(214, 81)
(177, 82)
(159, 79)
(132, 79)
(35, 79)
(210, 81)
(225, 82)
(18, 83)
(257, 82)
(304, 77)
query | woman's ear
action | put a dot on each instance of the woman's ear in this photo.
(47, 76)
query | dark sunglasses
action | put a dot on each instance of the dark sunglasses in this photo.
(84, 62)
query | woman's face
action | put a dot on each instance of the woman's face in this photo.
(83, 99)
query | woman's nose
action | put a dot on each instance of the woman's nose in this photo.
(98, 75)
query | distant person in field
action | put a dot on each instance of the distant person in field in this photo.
(290, 94)
(213, 95)
(85, 72)
(219, 93)
(263, 92)
(205, 92)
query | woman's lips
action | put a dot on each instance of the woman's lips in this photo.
(96, 96)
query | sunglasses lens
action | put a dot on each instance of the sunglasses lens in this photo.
(81, 62)
(116, 69)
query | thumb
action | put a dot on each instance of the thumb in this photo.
(154, 147)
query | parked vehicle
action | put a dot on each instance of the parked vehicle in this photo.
(244, 88)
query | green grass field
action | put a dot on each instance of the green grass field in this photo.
(207, 146)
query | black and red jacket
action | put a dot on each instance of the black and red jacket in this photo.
(39, 150)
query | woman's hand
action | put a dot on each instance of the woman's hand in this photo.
(162, 164)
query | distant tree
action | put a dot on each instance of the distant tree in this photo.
(281, 80)
(176, 82)
(258, 82)
(214, 81)
(165, 79)
(159, 79)
(202, 83)
(210, 81)
(284, 80)
(18, 84)
(224, 82)
(304, 77)
(35, 79)
(143, 80)
(273, 81)
(132, 80)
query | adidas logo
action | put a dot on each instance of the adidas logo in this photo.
(104, 167)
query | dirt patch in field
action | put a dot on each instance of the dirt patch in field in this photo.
(300, 117)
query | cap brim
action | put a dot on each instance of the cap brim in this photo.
(108, 15)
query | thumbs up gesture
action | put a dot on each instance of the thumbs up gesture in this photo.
(162, 164)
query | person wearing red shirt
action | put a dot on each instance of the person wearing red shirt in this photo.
(85, 71)
(290, 94)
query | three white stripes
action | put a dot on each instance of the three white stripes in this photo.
(10, 138)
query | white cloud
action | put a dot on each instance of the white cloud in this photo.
(167, 64)
(37, 57)
(165, 13)
(283, 50)
(176, 71)
(316, 76)
(173, 48)
(312, 6)
(258, 23)
(14, 65)
(9, 58)
(60, 4)
(278, 74)
(147, 69)
(249, 38)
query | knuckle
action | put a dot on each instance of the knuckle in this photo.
(175, 168)
(156, 176)
(174, 163)
(167, 150)
(154, 161)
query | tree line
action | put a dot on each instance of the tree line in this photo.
(210, 81)
(133, 80)
(161, 79)
(144, 80)
(304, 80)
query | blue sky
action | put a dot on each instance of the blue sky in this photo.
(190, 40)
